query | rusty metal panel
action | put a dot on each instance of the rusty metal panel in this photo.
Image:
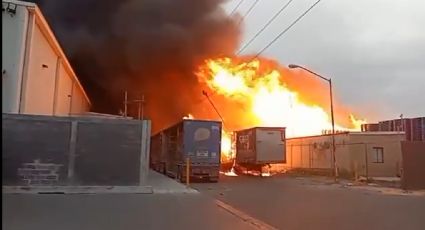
(413, 176)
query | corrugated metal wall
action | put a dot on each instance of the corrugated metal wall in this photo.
(413, 127)
(413, 165)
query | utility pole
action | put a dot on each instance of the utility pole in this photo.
(329, 80)
(140, 110)
(140, 103)
(333, 130)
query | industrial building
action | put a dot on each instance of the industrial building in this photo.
(36, 75)
(413, 127)
(371, 154)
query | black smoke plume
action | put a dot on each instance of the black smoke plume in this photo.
(143, 46)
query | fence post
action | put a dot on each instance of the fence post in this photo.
(356, 172)
(291, 157)
(309, 155)
(144, 151)
(72, 150)
(301, 156)
(187, 171)
(312, 157)
(367, 162)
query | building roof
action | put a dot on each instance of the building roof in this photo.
(47, 31)
(352, 133)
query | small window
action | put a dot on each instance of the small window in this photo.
(378, 155)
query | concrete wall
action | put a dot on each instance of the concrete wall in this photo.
(413, 165)
(37, 77)
(31, 148)
(46, 150)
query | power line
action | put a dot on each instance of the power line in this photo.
(248, 11)
(268, 23)
(287, 28)
(265, 26)
(215, 108)
(236, 7)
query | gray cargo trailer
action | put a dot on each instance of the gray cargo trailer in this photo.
(260, 146)
(198, 140)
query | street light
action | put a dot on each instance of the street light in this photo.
(293, 66)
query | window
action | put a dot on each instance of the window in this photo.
(378, 155)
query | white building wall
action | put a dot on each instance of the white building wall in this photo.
(354, 153)
(64, 90)
(79, 104)
(14, 28)
(39, 91)
(37, 77)
(363, 145)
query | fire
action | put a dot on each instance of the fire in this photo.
(226, 146)
(188, 117)
(357, 122)
(231, 172)
(268, 99)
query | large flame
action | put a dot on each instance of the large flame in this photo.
(226, 146)
(268, 100)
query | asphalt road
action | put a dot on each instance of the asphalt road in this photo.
(282, 202)
(312, 203)
(116, 211)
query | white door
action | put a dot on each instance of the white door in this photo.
(270, 146)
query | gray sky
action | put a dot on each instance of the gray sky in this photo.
(374, 50)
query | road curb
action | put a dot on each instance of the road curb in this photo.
(77, 190)
(245, 217)
(175, 191)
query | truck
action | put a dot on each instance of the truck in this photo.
(260, 146)
(195, 141)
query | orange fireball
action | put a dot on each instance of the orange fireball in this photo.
(266, 97)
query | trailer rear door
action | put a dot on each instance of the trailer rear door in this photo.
(202, 141)
(270, 145)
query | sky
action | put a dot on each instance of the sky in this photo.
(374, 50)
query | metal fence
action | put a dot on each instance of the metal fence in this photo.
(413, 165)
(45, 150)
